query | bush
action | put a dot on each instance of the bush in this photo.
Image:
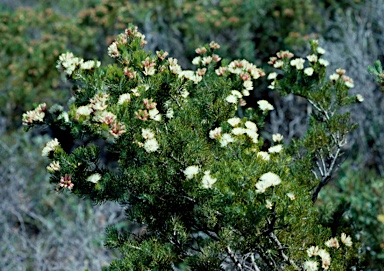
(208, 191)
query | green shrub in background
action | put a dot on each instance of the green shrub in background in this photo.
(31, 42)
(195, 176)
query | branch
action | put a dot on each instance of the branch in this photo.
(234, 258)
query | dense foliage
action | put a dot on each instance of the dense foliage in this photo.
(187, 160)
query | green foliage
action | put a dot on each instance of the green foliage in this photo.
(196, 177)
(377, 71)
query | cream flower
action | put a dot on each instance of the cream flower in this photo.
(84, 110)
(234, 121)
(291, 196)
(275, 149)
(207, 180)
(54, 166)
(310, 266)
(320, 50)
(325, 258)
(334, 77)
(154, 114)
(277, 137)
(346, 240)
(94, 178)
(231, 99)
(169, 113)
(151, 145)
(272, 76)
(298, 63)
(124, 98)
(265, 105)
(248, 85)
(268, 204)
(270, 178)
(359, 98)
(215, 133)
(50, 146)
(313, 251)
(332, 243)
(238, 131)
(323, 62)
(147, 133)
(308, 71)
(278, 64)
(263, 155)
(226, 139)
(312, 58)
(251, 125)
(191, 172)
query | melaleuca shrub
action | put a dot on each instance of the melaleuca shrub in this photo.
(179, 150)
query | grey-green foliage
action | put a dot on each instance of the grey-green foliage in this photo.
(207, 192)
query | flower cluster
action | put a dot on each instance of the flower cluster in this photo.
(66, 182)
(131, 33)
(51, 146)
(150, 144)
(36, 115)
(250, 129)
(267, 180)
(68, 63)
(340, 74)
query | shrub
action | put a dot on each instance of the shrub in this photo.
(186, 159)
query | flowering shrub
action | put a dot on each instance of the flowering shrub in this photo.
(186, 158)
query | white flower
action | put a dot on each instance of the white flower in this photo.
(83, 111)
(277, 137)
(359, 98)
(237, 94)
(298, 63)
(54, 166)
(238, 131)
(196, 60)
(245, 92)
(191, 171)
(278, 64)
(325, 258)
(169, 113)
(310, 266)
(234, 121)
(346, 240)
(184, 93)
(308, 71)
(104, 117)
(267, 180)
(251, 125)
(94, 178)
(248, 85)
(264, 155)
(207, 180)
(147, 133)
(64, 116)
(50, 146)
(275, 149)
(89, 65)
(270, 178)
(265, 105)
(272, 76)
(272, 85)
(151, 145)
(323, 62)
(268, 204)
(252, 134)
(332, 243)
(291, 196)
(334, 77)
(215, 133)
(124, 98)
(231, 99)
(113, 51)
(312, 58)
(154, 114)
(313, 251)
(226, 139)
(320, 50)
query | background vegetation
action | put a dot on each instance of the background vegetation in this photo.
(37, 221)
